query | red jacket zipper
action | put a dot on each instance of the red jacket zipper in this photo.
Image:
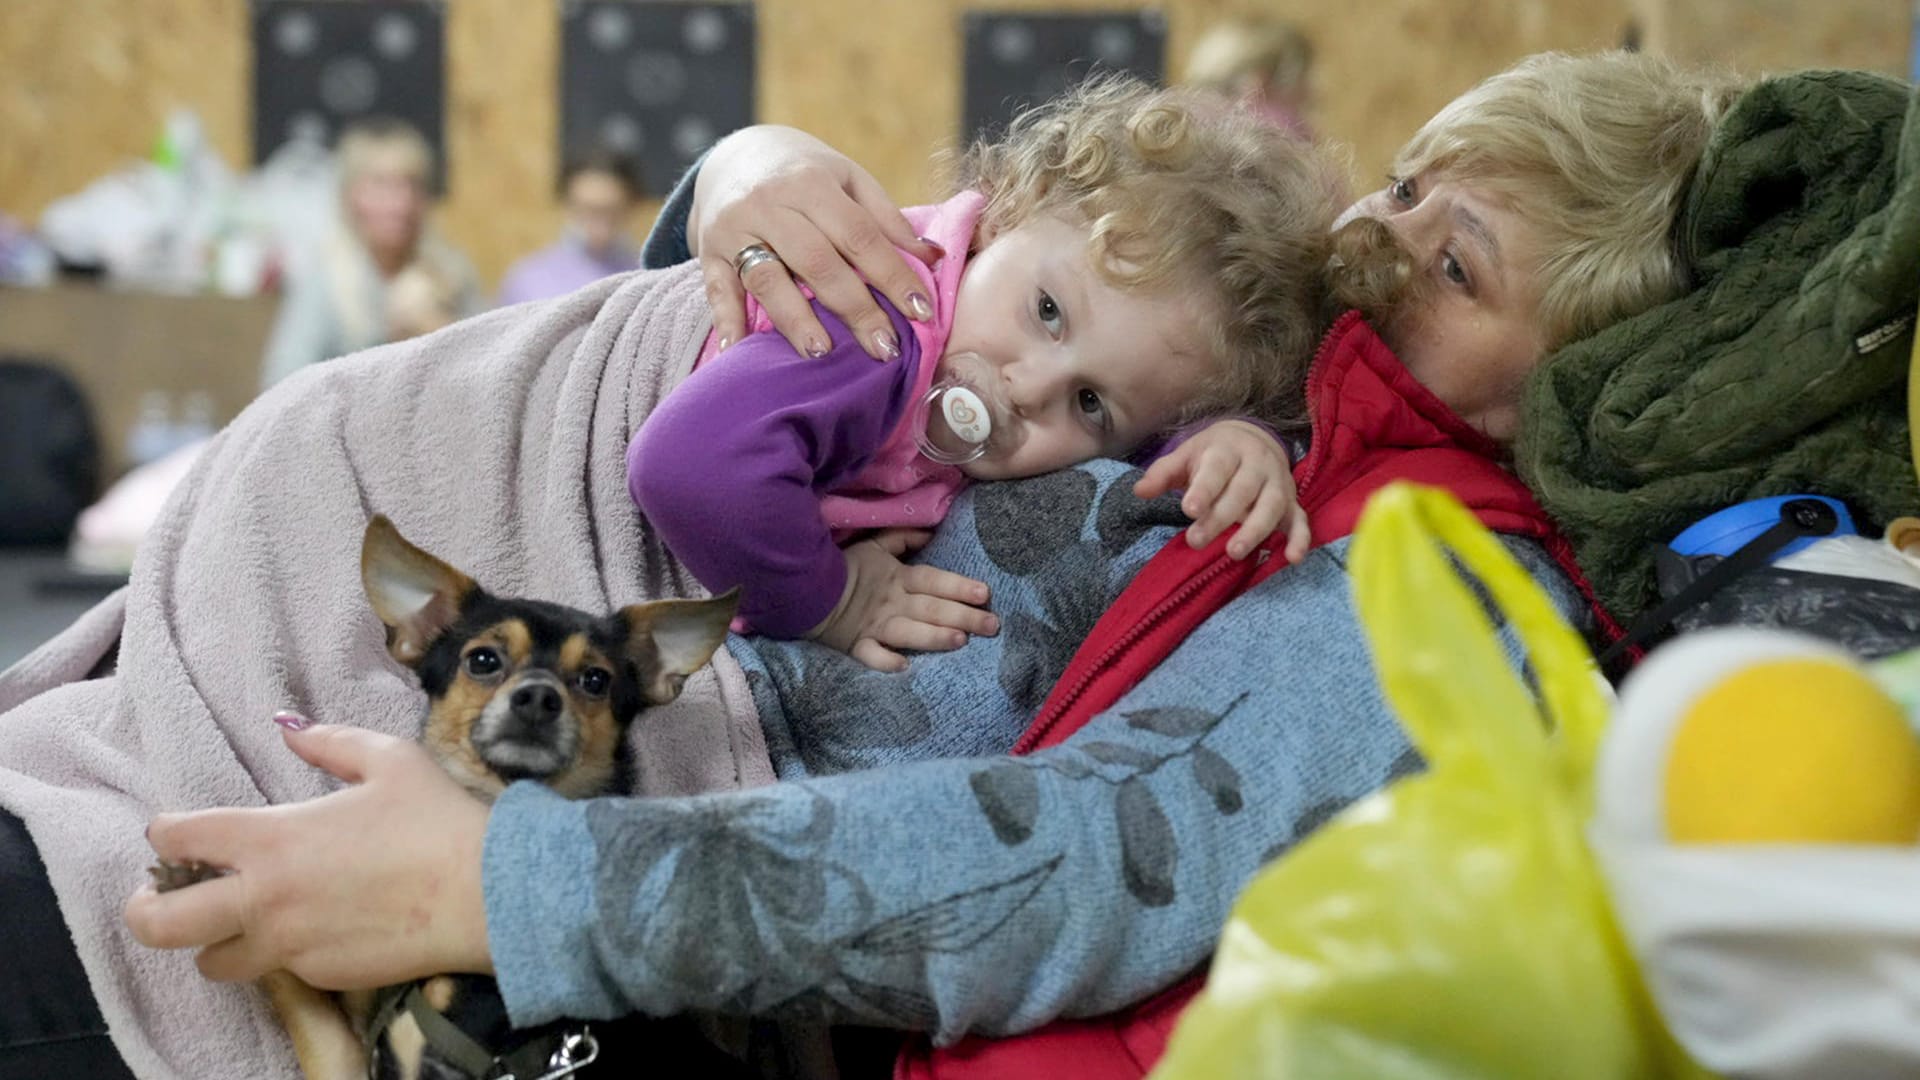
(1064, 704)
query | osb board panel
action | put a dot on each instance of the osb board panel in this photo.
(118, 346)
(84, 84)
(1761, 36)
(503, 79)
(886, 90)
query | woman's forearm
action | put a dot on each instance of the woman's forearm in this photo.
(981, 895)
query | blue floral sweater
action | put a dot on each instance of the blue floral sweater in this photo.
(906, 872)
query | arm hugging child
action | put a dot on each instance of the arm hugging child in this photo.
(1122, 262)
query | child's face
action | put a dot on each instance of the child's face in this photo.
(1086, 370)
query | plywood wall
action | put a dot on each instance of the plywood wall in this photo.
(84, 84)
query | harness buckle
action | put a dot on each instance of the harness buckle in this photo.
(578, 1049)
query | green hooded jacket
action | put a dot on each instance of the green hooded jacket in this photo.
(1784, 370)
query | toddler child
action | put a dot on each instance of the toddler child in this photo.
(1121, 262)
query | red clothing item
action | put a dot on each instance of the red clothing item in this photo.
(1373, 423)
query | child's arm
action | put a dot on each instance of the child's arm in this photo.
(729, 468)
(1232, 471)
(888, 605)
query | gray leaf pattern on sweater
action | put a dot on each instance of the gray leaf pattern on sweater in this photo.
(1072, 593)
(818, 681)
(1021, 524)
(1149, 851)
(1055, 551)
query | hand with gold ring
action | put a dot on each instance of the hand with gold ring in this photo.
(818, 217)
(750, 257)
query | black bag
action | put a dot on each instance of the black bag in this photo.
(49, 456)
(1868, 617)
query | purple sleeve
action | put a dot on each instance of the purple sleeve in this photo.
(731, 466)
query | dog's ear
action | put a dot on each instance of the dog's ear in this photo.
(415, 594)
(669, 640)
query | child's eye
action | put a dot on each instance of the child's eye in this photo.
(1049, 311)
(1401, 188)
(1093, 408)
(594, 681)
(483, 662)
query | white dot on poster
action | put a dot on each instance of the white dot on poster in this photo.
(1114, 43)
(307, 127)
(609, 29)
(1011, 43)
(295, 33)
(656, 78)
(623, 133)
(348, 85)
(394, 37)
(691, 135)
(705, 31)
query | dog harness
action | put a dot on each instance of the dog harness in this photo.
(551, 1052)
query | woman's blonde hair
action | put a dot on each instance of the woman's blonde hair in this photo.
(1595, 152)
(383, 142)
(1181, 190)
(1272, 51)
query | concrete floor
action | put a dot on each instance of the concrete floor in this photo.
(39, 596)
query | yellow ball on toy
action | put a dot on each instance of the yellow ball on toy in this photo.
(1800, 749)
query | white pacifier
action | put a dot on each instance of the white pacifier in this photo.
(957, 416)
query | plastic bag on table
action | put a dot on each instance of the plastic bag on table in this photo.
(1454, 924)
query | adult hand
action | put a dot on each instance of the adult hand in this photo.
(888, 605)
(827, 219)
(371, 885)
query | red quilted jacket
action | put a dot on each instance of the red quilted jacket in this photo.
(1372, 424)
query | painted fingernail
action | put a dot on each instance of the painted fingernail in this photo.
(724, 342)
(939, 249)
(291, 720)
(916, 303)
(816, 348)
(887, 343)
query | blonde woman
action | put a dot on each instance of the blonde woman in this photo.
(1266, 64)
(342, 298)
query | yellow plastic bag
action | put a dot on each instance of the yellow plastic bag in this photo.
(1453, 925)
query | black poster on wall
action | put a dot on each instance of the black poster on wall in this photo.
(319, 65)
(1017, 59)
(659, 81)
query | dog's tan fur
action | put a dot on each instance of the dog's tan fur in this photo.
(397, 574)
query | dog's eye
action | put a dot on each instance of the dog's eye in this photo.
(595, 680)
(482, 663)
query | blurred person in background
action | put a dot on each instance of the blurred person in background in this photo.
(381, 273)
(599, 190)
(1266, 64)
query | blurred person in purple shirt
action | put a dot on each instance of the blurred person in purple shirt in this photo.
(599, 189)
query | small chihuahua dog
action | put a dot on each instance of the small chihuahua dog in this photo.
(517, 690)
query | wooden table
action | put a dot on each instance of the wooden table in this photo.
(119, 344)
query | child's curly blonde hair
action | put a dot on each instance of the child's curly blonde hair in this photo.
(1180, 191)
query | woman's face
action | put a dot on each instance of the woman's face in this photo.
(387, 206)
(1471, 335)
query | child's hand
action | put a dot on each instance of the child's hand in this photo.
(1232, 471)
(888, 605)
